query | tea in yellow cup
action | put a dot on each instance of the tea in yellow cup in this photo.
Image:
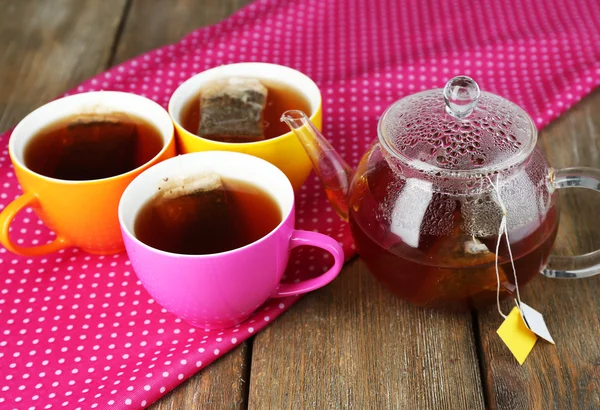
(74, 157)
(287, 89)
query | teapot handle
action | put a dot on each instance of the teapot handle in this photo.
(581, 266)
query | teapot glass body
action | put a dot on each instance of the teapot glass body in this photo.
(431, 237)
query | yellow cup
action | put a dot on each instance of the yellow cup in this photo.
(284, 151)
(81, 213)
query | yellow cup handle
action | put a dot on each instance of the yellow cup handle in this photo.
(7, 216)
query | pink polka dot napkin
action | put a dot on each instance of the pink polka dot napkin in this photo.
(78, 331)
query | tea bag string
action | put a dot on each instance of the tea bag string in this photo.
(503, 230)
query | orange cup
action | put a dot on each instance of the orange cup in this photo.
(83, 214)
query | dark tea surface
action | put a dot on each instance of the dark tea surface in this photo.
(90, 146)
(280, 98)
(235, 215)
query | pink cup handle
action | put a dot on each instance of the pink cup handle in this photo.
(306, 238)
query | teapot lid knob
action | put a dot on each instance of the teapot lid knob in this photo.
(461, 95)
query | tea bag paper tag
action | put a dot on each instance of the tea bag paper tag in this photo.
(535, 322)
(516, 336)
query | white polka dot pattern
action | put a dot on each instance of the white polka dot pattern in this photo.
(78, 331)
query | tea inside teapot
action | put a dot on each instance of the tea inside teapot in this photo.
(438, 248)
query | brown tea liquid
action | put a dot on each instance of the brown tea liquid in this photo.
(89, 146)
(440, 272)
(423, 283)
(280, 98)
(209, 222)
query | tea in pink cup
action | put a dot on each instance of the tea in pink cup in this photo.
(209, 235)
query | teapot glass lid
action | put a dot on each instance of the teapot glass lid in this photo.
(458, 128)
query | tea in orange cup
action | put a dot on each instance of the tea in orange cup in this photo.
(74, 157)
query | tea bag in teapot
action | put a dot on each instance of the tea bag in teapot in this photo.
(231, 110)
(460, 282)
(187, 201)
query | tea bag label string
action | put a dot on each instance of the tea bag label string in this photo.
(503, 230)
(518, 331)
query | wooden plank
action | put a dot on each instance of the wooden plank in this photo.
(353, 345)
(222, 385)
(566, 376)
(150, 24)
(49, 47)
(154, 23)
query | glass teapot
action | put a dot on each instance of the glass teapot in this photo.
(451, 170)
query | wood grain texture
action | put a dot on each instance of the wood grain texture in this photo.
(353, 345)
(221, 386)
(150, 24)
(565, 376)
(48, 47)
(154, 23)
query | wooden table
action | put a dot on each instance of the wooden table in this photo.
(351, 345)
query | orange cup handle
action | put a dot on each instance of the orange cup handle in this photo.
(7, 216)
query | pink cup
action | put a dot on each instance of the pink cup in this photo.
(221, 290)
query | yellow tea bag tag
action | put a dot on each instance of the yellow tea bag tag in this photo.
(515, 334)
(535, 322)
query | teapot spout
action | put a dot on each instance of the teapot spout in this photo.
(333, 172)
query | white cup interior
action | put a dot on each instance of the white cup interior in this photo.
(284, 75)
(232, 165)
(98, 102)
